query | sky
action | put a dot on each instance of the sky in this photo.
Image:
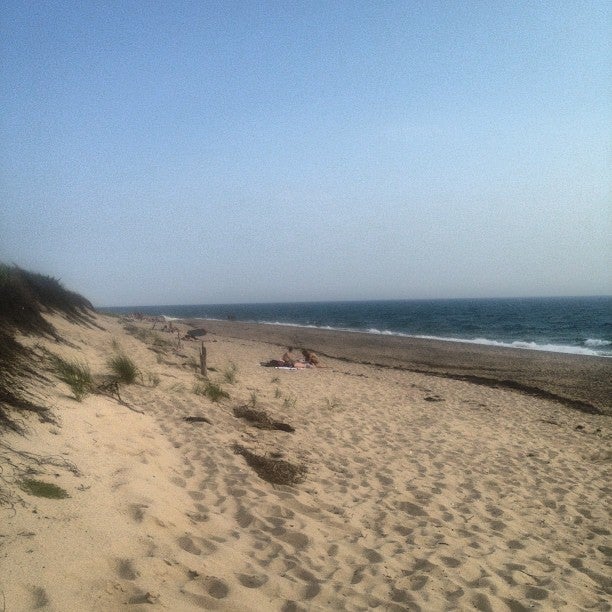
(205, 152)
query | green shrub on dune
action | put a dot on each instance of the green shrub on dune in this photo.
(124, 369)
(24, 298)
(75, 374)
(211, 390)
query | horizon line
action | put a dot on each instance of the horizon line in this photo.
(358, 301)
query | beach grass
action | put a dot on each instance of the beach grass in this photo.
(124, 368)
(76, 374)
(229, 375)
(289, 402)
(24, 298)
(212, 391)
(153, 379)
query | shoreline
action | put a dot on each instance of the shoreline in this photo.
(579, 381)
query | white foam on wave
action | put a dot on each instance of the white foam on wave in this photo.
(517, 344)
(596, 342)
(306, 325)
(534, 346)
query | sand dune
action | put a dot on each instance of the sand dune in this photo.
(421, 492)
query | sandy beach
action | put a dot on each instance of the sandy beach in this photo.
(432, 476)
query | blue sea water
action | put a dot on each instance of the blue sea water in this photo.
(581, 325)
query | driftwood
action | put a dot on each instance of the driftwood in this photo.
(197, 419)
(260, 419)
(203, 361)
(110, 387)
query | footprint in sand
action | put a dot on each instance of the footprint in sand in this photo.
(209, 585)
(40, 598)
(178, 481)
(216, 587)
(202, 547)
(411, 509)
(372, 556)
(188, 545)
(137, 512)
(125, 570)
(243, 517)
(252, 581)
(298, 540)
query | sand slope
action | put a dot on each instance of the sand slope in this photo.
(422, 493)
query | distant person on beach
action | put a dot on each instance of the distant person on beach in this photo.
(310, 358)
(288, 358)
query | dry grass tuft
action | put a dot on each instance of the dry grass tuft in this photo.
(274, 471)
(260, 419)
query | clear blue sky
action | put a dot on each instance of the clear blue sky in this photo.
(159, 152)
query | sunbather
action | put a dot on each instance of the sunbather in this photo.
(310, 358)
(288, 358)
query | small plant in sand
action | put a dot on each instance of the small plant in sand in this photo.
(75, 374)
(253, 400)
(333, 403)
(273, 470)
(40, 488)
(191, 363)
(160, 342)
(289, 403)
(124, 369)
(277, 393)
(230, 373)
(137, 332)
(177, 387)
(115, 344)
(211, 390)
(260, 419)
(153, 379)
(275, 380)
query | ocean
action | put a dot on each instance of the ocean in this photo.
(580, 325)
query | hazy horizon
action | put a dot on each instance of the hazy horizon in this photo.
(507, 297)
(263, 152)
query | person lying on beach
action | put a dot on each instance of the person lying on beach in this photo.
(311, 359)
(288, 358)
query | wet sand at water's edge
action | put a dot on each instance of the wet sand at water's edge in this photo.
(583, 382)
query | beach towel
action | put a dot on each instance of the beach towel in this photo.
(277, 365)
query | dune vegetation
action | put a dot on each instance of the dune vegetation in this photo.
(24, 298)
